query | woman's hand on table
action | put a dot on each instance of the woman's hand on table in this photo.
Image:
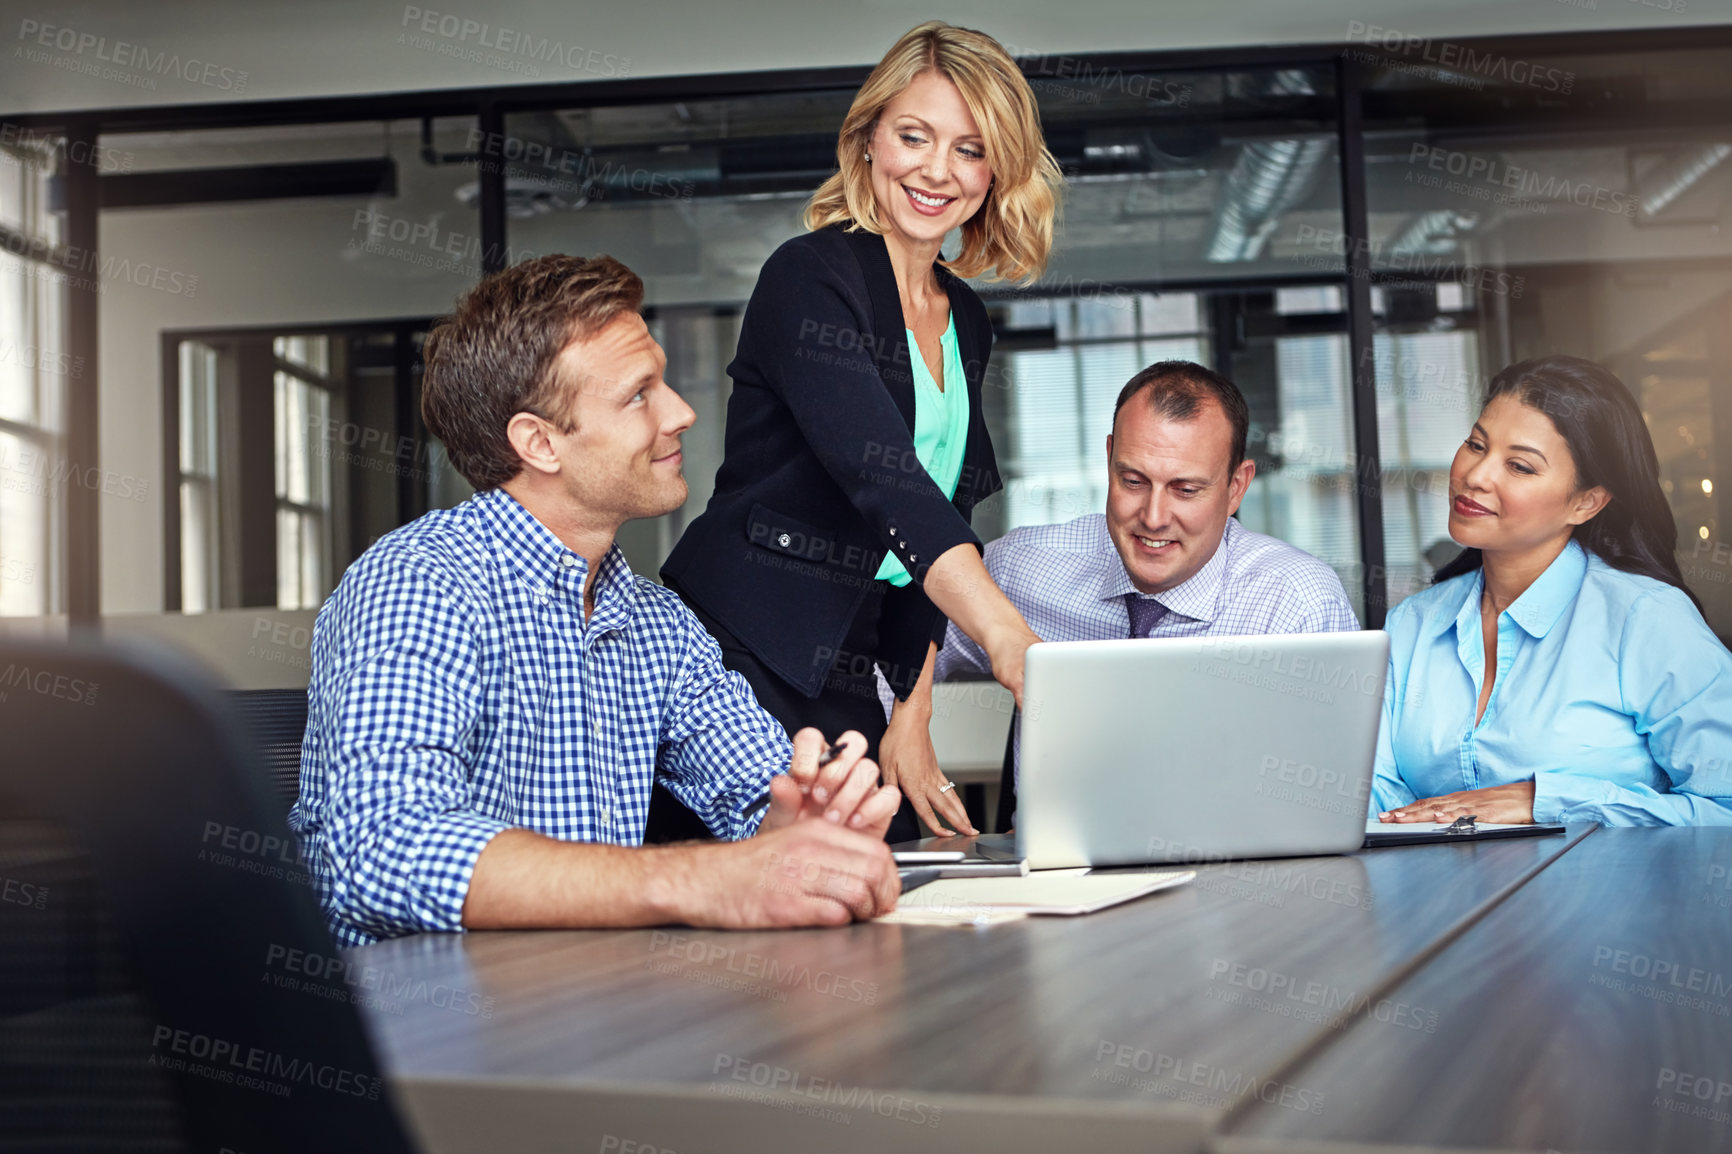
(1499, 804)
(908, 762)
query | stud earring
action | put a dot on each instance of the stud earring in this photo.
(868, 158)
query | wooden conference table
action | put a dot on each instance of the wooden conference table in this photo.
(1540, 993)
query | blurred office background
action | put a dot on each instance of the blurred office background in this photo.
(212, 301)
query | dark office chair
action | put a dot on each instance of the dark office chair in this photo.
(1007, 780)
(276, 720)
(131, 788)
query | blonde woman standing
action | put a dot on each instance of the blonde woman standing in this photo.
(837, 541)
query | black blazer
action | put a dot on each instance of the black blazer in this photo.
(819, 478)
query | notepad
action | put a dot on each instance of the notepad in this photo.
(1381, 835)
(976, 901)
(1416, 827)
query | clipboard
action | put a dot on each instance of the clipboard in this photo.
(1381, 835)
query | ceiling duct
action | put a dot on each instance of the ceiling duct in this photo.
(1268, 179)
(1433, 232)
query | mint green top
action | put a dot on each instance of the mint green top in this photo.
(940, 428)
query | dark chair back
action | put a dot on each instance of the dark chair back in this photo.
(276, 720)
(136, 760)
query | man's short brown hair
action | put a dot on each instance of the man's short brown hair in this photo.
(1178, 390)
(493, 357)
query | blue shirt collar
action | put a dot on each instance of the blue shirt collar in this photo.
(548, 568)
(1543, 602)
(1198, 598)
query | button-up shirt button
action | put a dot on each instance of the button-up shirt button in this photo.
(568, 561)
(542, 592)
(784, 540)
(606, 815)
(893, 530)
(914, 556)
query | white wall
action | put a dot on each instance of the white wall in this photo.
(299, 48)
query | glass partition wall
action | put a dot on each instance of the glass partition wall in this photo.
(1360, 236)
(1178, 183)
(1524, 199)
(1579, 209)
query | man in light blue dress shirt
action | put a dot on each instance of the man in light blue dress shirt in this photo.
(1167, 558)
(494, 692)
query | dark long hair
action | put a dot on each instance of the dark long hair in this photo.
(1601, 423)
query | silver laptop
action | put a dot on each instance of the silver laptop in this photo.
(1198, 749)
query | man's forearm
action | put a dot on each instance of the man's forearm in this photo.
(810, 872)
(525, 880)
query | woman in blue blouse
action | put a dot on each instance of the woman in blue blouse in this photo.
(1558, 670)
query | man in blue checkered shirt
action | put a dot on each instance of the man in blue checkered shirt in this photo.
(494, 692)
(1166, 559)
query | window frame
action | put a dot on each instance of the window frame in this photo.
(45, 442)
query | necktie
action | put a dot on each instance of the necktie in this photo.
(1146, 613)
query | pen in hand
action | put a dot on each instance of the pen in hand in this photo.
(825, 758)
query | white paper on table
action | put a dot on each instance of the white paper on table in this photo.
(978, 901)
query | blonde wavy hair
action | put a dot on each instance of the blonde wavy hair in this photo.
(1011, 232)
